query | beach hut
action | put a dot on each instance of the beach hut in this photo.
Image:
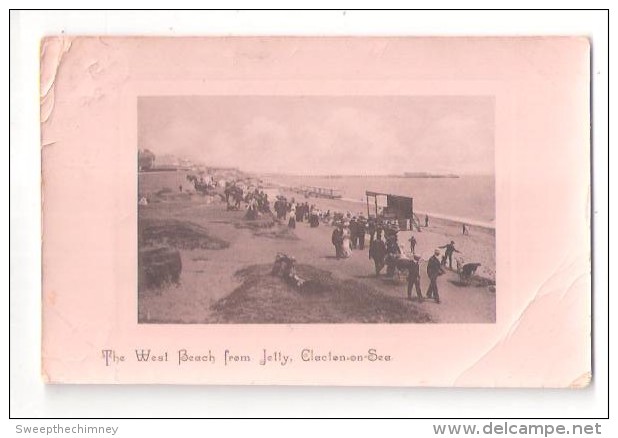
(397, 207)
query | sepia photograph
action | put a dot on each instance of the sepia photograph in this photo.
(316, 209)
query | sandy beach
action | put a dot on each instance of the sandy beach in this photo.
(227, 278)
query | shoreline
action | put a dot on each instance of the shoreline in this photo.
(479, 237)
(348, 204)
(231, 283)
(452, 220)
(443, 219)
(470, 201)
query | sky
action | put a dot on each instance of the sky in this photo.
(324, 135)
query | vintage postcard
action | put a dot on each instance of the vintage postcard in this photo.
(316, 211)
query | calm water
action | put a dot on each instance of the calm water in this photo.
(469, 197)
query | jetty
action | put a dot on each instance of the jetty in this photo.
(317, 192)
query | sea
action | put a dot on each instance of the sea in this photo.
(468, 198)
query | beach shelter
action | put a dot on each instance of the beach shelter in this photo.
(397, 207)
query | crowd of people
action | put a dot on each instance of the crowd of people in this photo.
(385, 251)
(257, 202)
(200, 184)
(350, 234)
(299, 212)
(234, 196)
(256, 199)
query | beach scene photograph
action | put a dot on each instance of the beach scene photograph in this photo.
(316, 209)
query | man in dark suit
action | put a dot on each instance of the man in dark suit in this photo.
(379, 229)
(337, 240)
(377, 252)
(393, 253)
(434, 270)
(353, 233)
(414, 278)
(361, 228)
(371, 229)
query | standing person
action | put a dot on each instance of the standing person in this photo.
(464, 230)
(426, 221)
(448, 254)
(284, 208)
(281, 206)
(361, 228)
(414, 278)
(377, 252)
(393, 253)
(434, 270)
(292, 209)
(346, 246)
(371, 229)
(238, 199)
(227, 192)
(392, 245)
(379, 229)
(299, 212)
(353, 232)
(337, 240)
(314, 220)
(412, 243)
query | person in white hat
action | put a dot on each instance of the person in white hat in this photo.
(414, 278)
(434, 270)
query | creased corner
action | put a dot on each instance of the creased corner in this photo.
(582, 381)
(555, 288)
(48, 143)
(53, 50)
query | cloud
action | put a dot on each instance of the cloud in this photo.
(324, 135)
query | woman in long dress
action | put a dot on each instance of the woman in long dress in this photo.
(347, 249)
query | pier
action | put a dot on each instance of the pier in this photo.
(317, 192)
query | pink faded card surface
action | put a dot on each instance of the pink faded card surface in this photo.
(316, 211)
